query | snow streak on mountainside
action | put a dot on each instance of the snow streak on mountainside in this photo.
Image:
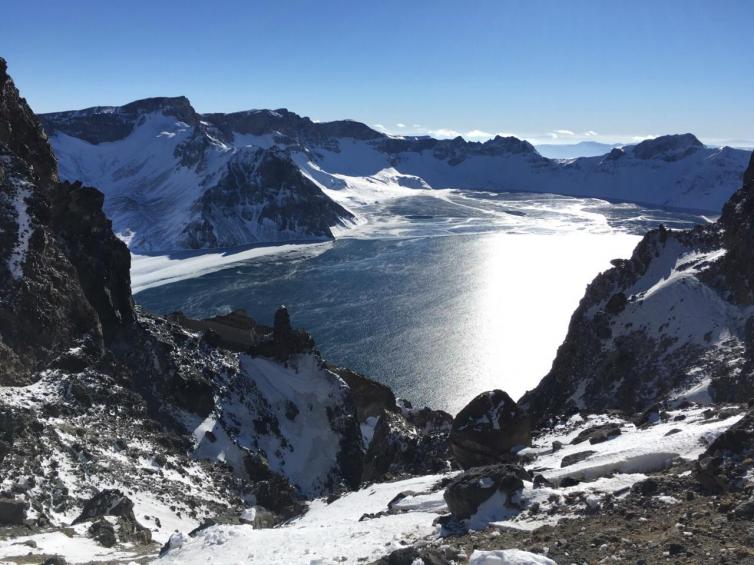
(177, 179)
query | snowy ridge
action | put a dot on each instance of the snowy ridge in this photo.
(160, 160)
(164, 187)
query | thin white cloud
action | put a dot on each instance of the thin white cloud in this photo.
(443, 133)
(642, 137)
(400, 125)
(564, 132)
(379, 127)
(478, 134)
(590, 133)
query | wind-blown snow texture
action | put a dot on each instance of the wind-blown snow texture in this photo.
(176, 179)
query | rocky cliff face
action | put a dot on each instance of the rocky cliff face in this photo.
(675, 321)
(261, 196)
(64, 280)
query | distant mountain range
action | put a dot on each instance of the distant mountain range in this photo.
(575, 150)
(177, 179)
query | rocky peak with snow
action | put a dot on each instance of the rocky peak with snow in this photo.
(173, 179)
(668, 147)
(674, 323)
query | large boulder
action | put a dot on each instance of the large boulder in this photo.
(487, 429)
(111, 502)
(468, 491)
(400, 449)
(727, 461)
(12, 512)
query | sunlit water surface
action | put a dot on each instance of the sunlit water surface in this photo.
(440, 296)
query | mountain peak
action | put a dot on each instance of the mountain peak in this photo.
(668, 147)
(178, 106)
(20, 131)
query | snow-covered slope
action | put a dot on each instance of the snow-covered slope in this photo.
(369, 523)
(177, 179)
(171, 182)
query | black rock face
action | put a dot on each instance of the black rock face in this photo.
(64, 277)
(21, 133)
(262, 188)
(487, 429)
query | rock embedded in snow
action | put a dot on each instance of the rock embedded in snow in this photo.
(508, 557)
(487, 429)
(109, 502)
(468, 491)
(12, 511)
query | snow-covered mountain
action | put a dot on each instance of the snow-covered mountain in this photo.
(172, 181)
(177, 179)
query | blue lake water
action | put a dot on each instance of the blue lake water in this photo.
(442, 296)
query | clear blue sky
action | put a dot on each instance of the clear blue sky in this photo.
(617, 68)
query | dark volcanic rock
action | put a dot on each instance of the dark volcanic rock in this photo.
(103, 532)
(107, 503)
(424, 554)
(371, 398)
(21, 133)
(576, 457)
(728, 459)
(284, 341)
(399, 449)
(12, 511)
(597, 434)
(487, 429)
(468, 491)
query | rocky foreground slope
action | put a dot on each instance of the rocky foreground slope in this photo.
(176, 179)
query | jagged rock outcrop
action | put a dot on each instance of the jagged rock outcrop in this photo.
(487, 429)
(61, 268)
(726, 464)
(673, 322)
